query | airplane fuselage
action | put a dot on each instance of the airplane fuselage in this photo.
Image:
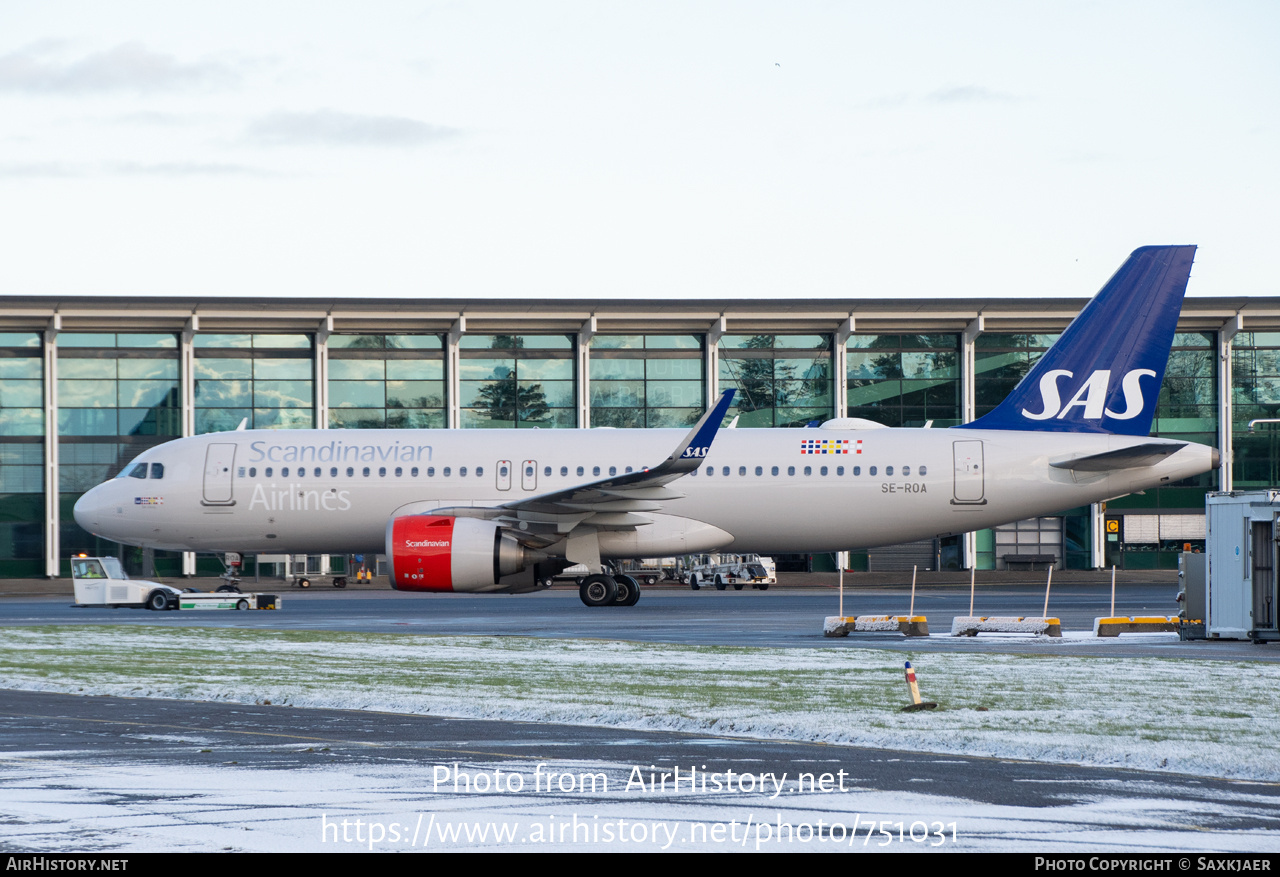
(772, 491)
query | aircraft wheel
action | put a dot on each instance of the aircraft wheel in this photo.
(340, 582)
(242, 604)
(628, 591)
(693, 581)
(158, 601)
(598, 590)
(737, 586)
(720, 585)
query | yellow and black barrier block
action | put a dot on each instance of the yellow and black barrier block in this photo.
(1136, 624)
(972, 625)
(907, 625)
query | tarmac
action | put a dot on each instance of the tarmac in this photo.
(38, 587)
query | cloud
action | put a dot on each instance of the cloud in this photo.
(968, 94)
(186, 169)
(126, 67)
(331, 128)
(59, 170)
(962, 94)
(39, 170)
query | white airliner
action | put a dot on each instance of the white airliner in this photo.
(504, 510)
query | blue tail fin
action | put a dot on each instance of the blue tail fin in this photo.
(1104, 372)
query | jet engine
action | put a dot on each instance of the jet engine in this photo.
(437, 553)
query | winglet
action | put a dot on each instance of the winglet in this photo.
(697, 444)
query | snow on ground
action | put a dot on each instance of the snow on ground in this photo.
(1194, 717)
(98, 806)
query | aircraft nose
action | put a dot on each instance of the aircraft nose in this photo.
(89, 510)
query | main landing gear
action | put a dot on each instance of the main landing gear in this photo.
(603, 590)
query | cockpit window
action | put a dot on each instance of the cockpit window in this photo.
(157, 470)
(138, 471)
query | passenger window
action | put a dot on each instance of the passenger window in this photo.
(839, 470)
(333, 472)
(924, 471)
(447, 471)
(808, 470)
(399, 471)
(268, 472)
(139, 471)
(711, 470)
(791, 470)
(775, 470)
(462, 471)
(888, 470)
(613, 470)
(431, 471)
(366, 472)
(351, 472)
(580, 472)
(742, 470)
(759, 470)
(564, 471)
(502, 471)
(479, 471)
(871, 470)
(157, 470)
(628, 470)
(822, 471)
(414, 472)
(595, 470)
(725, 471)
(284, 472)
(857, 470)
(253, 471)
(906, 470)
(547, 471)
(319, 471)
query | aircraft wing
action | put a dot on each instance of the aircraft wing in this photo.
(617, 502)
(1126, 458)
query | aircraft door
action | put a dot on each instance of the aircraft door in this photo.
(529, 474)
(218, 462)
(969, 478)
(504, 474)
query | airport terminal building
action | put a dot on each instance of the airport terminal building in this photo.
(86, 383)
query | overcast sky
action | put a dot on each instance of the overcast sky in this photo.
(634, 150)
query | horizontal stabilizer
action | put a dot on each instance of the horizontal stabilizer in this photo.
(1125, 458)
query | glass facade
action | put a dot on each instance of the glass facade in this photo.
(781, 380)
(647, 380)
(524, 381)
(904, 380)
(266, 380)
(118, 394)
(1255, 392)
(1000, 360)
(386, 382)
(22, 502)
